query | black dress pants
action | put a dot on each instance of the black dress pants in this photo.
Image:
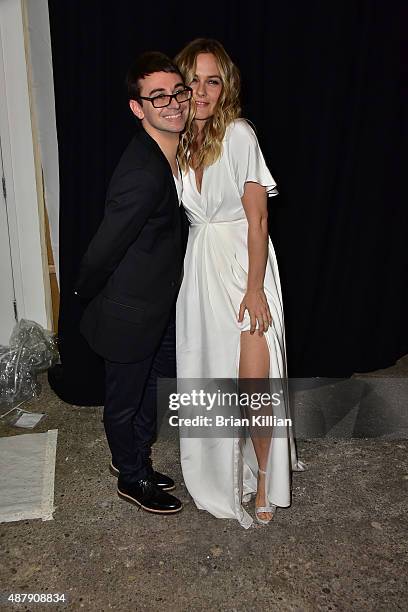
(130, 414)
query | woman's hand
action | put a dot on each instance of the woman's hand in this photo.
(256, 304)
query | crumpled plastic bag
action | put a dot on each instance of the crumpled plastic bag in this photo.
(32, 350)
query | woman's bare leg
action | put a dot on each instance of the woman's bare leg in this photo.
(254, 363)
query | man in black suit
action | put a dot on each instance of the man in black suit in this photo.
(131, 274)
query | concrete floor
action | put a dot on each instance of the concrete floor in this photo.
(340, 546)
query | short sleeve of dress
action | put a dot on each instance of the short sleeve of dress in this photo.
(246, 159)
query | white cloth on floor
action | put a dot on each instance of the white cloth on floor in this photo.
(27, 476)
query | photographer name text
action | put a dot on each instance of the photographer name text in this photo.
(221, 421)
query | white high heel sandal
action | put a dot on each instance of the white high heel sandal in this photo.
(259, 509)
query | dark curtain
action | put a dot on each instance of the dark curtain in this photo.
(323, 84)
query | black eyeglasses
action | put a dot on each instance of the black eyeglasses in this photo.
(163, 100)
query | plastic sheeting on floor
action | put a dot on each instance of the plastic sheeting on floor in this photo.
(27, 469)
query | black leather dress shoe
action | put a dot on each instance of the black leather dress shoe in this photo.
(165, 483)
(147, 495)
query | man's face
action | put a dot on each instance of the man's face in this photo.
(171, 118)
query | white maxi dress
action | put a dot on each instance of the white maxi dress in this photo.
(221, 473)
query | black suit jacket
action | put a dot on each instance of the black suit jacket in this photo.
(131, 271)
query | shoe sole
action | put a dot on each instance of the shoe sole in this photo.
(134, 501)
(115, 472)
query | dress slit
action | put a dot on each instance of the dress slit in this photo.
(221, 472)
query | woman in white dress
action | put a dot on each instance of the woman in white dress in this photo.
(229, 310)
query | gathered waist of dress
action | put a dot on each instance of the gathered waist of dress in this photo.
(201, 222)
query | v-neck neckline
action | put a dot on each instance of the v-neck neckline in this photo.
(199, 191)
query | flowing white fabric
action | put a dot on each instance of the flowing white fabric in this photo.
(221, 473)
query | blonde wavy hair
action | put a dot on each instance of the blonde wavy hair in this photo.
(226, 111)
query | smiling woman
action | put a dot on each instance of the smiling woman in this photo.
(230, 290)
(207, 86)
(215, 81)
